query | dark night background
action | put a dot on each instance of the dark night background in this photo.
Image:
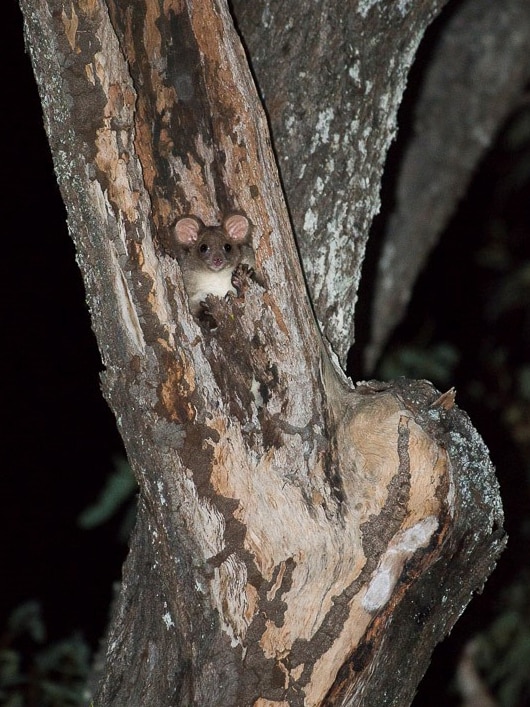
(59, 437)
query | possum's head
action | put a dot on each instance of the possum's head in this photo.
(213, 247)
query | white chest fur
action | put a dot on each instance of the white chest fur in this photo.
(206, 282)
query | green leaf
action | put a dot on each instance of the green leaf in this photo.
(26, 619)
(119, 487)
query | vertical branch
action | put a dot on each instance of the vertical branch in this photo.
(332, 76)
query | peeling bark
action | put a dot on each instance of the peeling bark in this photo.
(299, 541)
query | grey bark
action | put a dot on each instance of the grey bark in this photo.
(332, 76)
(339, 75)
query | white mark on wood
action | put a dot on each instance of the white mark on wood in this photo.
(256, 394)
(322, 128)
(166, 618)
(365, 7)
(160, 487)
(199, 586)
(403, 546)
(403, 6)
(385, 102)
(451, 494)
(208, 520)
(354, 73)
(159, 302)
(310, 222)
(481, 135)
(89, 71)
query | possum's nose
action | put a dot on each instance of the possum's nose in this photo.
(218, 262)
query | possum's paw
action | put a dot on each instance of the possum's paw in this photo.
(206, 318)
(241, 277)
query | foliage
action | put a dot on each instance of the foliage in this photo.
(504, 648)
(119, 488)
(33, 674)
(435, 362)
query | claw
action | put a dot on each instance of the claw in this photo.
(206, 318)
(241, 276)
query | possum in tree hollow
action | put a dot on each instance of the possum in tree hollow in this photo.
(213, 259)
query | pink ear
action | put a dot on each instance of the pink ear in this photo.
(187, 230)
(237, 227)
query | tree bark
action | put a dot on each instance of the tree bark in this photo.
(299, 541)
(332, 76)
(475, 78)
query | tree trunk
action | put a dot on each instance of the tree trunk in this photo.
(299, 541)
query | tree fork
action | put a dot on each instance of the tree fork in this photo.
(299, 541)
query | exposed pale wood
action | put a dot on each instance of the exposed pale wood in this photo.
(298, 541)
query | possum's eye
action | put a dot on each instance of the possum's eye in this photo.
(227, 247)
(203, 248)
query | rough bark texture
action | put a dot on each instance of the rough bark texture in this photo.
(332, 92)
(332, 76)
(299, 542)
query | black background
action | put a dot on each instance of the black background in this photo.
(59, 436)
